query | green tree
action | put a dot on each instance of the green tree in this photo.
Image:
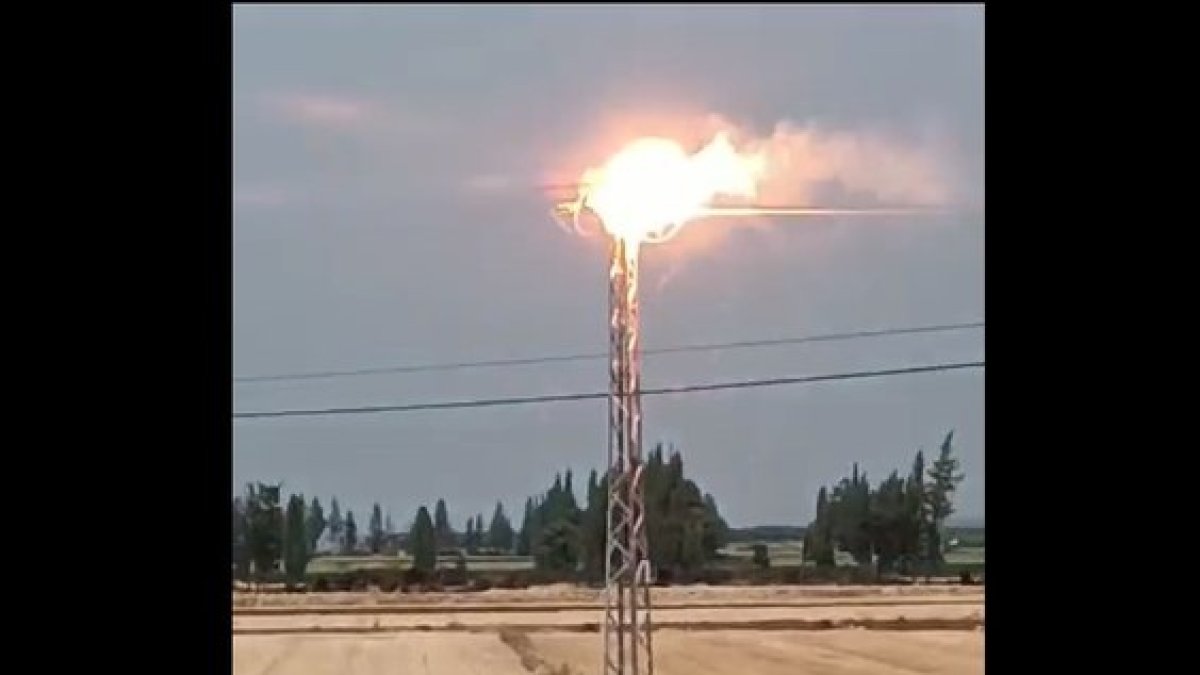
(337, 526)
(264, 531)
(390, 545)
(570, 503)
(500, 532)
(848, 518)
(422, 542)
(898, 525)
(349, 535)
(315, 524)
(469, 537)
(716, 530)
(554, 528)
(943, 481)
(524, 538)
(761, 558)
(375, 530)
(683, 525)
(296, 546)
(595, 526)
(441, 525)
(241, 546)
(656, 494)
(888, 523)
(916, 525)
(557, 546)
(819, 548)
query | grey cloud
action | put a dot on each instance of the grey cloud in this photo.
(407, 144)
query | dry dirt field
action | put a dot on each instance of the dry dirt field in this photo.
(434, 653)
(768, 631)
(737, 652)
(573, 594)
(730, 652)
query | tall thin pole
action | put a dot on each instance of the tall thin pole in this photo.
(627, 627)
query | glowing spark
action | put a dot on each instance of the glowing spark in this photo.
(652, 187)
(649, 190)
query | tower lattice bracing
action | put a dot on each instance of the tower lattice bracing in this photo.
(627, 628)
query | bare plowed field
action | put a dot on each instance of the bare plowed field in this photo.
(699, 632)
(575, 618)
(434, 653)
(849, 652)
(576, 595)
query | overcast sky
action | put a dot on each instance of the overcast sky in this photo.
(387, 212)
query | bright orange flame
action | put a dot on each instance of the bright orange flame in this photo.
(652, 187)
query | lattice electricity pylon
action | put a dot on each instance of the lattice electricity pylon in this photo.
(627, 628)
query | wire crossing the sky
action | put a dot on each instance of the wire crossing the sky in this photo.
(706, 347)
(658, 391)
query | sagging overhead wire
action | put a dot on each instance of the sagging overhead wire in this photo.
(701, 347)
(559, 398)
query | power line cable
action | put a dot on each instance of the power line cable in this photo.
(557, 398)
(704, 347)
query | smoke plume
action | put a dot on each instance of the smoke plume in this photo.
(810, 165)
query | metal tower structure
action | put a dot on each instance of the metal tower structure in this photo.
(627, 647)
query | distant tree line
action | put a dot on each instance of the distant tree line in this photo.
(556, 531)
(898, 525)
(761, 533)
(269, 538)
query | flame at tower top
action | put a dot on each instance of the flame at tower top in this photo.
(652, 187)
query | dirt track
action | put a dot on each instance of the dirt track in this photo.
(853, 652)
(700, 631)
(520, 608)
(437, 654)
(556, 594)
(582, 618)
(785, 653)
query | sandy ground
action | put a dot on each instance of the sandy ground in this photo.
(854, 652)
(460, 634)
(579, 618)
(559, 606)
(436, 654)
(568, 594)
